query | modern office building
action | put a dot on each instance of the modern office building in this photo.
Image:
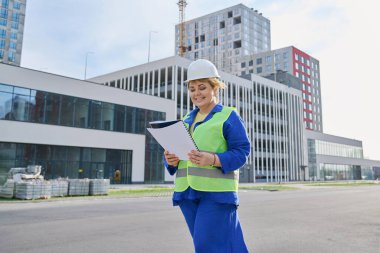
(297, 63)
(272, 113)
(78, 129)
(12, 18)
(338, 158)
(225, 36)
(90, 129)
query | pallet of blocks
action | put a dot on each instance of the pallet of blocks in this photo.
(59, 187)
(99, 186)
(79, 187)
(7, 190)
(32, 189)
(45, 190)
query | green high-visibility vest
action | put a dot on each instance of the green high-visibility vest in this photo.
(209, 137)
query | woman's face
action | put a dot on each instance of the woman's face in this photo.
(202, 94)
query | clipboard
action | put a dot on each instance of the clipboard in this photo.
(173, 136)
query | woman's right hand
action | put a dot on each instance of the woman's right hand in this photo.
(171, 159)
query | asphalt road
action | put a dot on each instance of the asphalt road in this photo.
(311, 220)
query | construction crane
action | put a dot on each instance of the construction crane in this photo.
(182, 48)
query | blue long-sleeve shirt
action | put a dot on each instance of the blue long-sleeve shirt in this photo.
(238, 149)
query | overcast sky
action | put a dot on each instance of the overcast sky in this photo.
(342, 34)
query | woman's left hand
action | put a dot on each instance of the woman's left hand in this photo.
(201, 158)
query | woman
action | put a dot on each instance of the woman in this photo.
(206, 185)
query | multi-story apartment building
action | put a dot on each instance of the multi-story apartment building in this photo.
(225, 36)
(12, 18)
(297, 63)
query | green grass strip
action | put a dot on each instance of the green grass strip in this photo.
(348, 183)
(269, 187)
(152, 191)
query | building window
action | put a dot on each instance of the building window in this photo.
(11, 56)
(4, 3)
(237, 20)
(3, 33)
(14, 25)
(71, 162)
(259, 61)
(3, 13)
(222, 24)
(229, 14)
(3, 22)
(16, 17)
(243, 64)
(237, 44)
(12, 45)
(16, 5)
(250, 63)
(268, 59)
(13, 36)
(259, 70)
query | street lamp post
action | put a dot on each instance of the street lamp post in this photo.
(85, 64)
(150, 35)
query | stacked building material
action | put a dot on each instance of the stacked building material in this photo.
(32, 189)
(79, 187)
(7, 190)
(59, 187)
(99, 186)
(45, 189)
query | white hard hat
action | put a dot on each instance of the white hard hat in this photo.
(200, 69)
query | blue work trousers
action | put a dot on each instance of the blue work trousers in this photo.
(215, 227)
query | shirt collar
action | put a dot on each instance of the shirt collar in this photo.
(217, 108)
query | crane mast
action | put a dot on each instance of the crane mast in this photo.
(182, 48)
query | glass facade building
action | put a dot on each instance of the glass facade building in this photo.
(37, 106)
(347, 164)
(71, 162)
(337, 149)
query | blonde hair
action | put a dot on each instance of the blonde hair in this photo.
(213, 81)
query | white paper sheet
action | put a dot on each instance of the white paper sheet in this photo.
(175, 139)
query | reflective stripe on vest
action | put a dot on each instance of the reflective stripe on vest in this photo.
(205, 173)
(209, 137)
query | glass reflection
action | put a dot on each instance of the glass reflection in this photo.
(36, 106)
